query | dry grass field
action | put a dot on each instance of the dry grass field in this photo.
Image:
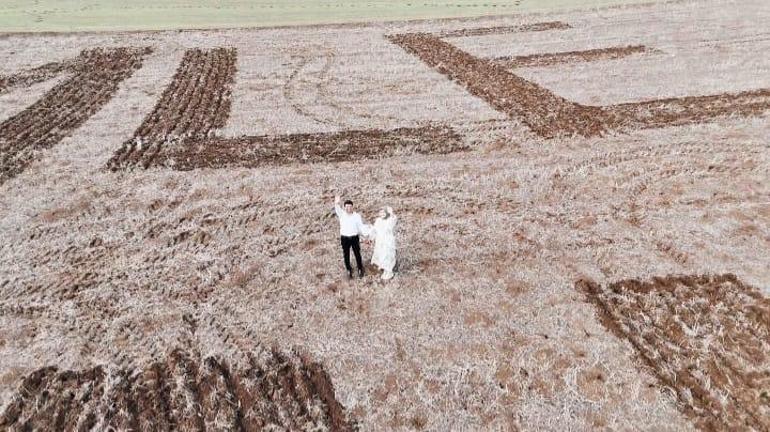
(584, 204)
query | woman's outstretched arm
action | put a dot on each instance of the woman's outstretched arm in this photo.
(393, 219)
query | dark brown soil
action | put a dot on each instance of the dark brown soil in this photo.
(274, 391)
(540, 60)
(195, 103)
(690, 109)
(97, 74)
(312, 148)
(706, 337)
(549, 115)
(543, 26)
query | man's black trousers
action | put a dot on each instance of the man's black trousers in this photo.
(347, 243)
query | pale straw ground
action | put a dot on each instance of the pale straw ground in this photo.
(482, 328)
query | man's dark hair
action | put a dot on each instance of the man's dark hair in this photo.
(348, 202)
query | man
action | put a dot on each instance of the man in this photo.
(351, 226)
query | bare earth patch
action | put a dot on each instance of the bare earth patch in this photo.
(485, 31)
(252, 152)
(690, 109)
(551, 59)
(706, 337)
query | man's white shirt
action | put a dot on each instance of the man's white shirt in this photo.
(351, 224)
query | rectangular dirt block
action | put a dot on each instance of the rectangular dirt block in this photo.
(254, 151)
(486, 31)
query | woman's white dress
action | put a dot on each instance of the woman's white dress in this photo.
(384, 255)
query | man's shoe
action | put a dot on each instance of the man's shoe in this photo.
(360, 273)
(350, 274)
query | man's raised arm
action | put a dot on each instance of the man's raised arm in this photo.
(337, 208)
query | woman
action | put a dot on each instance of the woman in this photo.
(384, 234)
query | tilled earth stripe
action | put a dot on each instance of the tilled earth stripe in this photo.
(551, 59)
(485, 31)
(250, 152)
(690, 109)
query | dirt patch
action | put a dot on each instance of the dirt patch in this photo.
(196, 102)
(184, 392)
(484, 31)
(706, 337)
(691, 109)
(311, 148)
(549, 115)
(550, 59)
(97, 74)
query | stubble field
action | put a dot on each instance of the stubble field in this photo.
(584, 205)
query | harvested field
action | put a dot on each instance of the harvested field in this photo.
(183, 392)
(195, 103)
(510, 184)
(63, 109)
(706, 337)
(252, 152)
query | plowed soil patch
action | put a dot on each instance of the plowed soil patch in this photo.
(64, 108)
(271, 392)
(540, 60)
(706, 337)
(549, 115)
(312, 148)
(196, 102)
(691, 109)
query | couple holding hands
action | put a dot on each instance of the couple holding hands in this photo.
(383, 231)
